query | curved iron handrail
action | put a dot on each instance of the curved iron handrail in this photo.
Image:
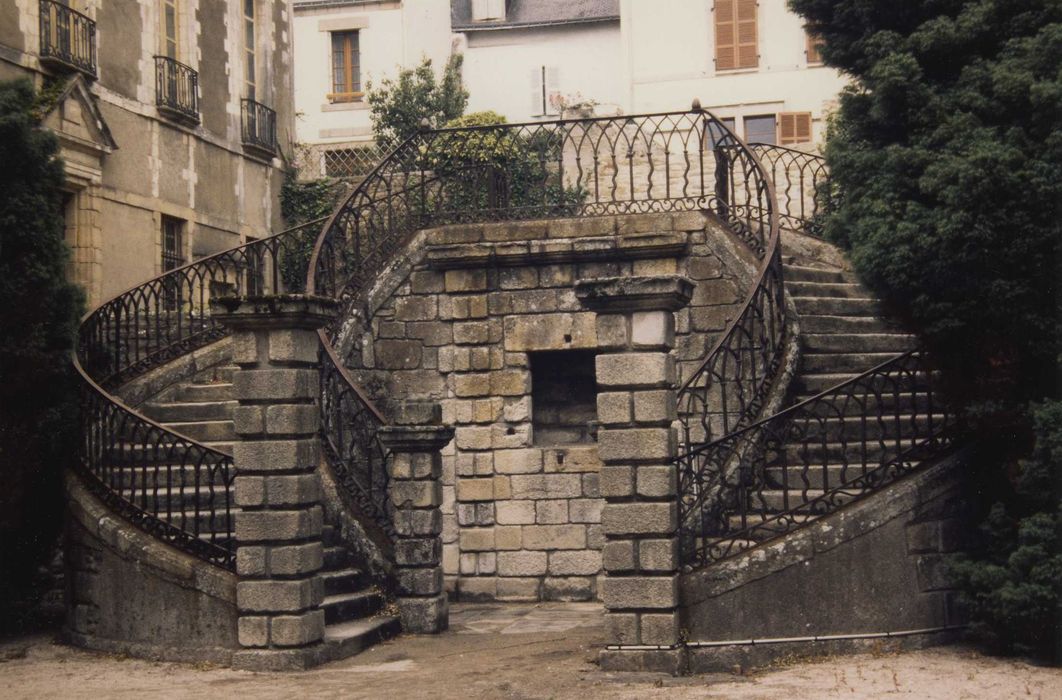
(802, 185)
(674, 161)
(175, 488)
(761, 481)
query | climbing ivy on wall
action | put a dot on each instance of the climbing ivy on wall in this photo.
(300, 202)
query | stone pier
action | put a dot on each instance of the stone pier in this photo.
(636, 406)
(278, 527)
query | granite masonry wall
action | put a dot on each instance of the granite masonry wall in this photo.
(463, 319)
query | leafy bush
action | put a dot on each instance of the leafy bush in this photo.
(399, 106)
(507, 171)
(1010, 585)
(301, 202)
(39, 313)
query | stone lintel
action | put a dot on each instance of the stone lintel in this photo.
(416, 412)
(628, 294)
(254, 313)
(415, 438)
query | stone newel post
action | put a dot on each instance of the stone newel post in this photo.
(636, 405)
(416, 492)
(278, 527)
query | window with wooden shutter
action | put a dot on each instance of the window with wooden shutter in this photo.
(346, 67)
(814, 42)
(736, 35)
(794, 128)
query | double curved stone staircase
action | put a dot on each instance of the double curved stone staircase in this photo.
(855, 414)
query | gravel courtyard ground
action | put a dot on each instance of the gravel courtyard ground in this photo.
(530, 651)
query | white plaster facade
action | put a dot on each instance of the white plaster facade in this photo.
(392, 35)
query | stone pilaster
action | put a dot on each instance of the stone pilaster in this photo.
(636, 405)
(416, 491)
(279, 551)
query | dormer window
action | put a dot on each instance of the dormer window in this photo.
(488, 10)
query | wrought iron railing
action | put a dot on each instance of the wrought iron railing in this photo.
(686, 161)
(258, 125)
(801, 183)
(768, 478)
(67, 37)
(171, 486)
(176, 87)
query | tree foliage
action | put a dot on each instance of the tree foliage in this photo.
(946, 152)
(39, 312)
(946, 157)
(399, 106)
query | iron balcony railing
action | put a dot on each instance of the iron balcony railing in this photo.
(68, 38)
(259, 126)
(176, 88)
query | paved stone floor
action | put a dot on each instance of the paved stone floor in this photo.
(516, 651)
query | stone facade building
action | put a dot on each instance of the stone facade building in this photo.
(174, 119)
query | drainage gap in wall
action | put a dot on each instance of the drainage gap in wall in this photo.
(563, 397)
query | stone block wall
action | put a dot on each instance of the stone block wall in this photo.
(522, 519)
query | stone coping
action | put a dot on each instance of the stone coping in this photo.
(634, 246)
(307, 311)
(621, 294)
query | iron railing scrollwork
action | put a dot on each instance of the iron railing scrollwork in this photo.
(67, 37)
(768, 478)
(176, 87)
(258, 125)
(801, 183)
(139, 467)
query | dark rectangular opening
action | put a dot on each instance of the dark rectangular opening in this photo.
(563, 397)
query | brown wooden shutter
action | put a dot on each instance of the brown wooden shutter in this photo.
(725, 36)
(813, 42)
(736, 35)
(748, 53)
(794, 128)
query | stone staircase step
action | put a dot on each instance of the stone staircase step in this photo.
(831, 306)
(219, 391)
(905, 401)
(205, 431)
(803, 273)
(857, 427)
(893, 343)
(843, 324)
(219, 374)
(340, 581)
(348, 638)
(839, 362)
(181, 499)
(336, 558)
(189, 411)
(757, 532)
(816, 383)
(796, 477)
(204, 521)
(776, 501)
(839, 290)
(163, 476)
(349, 606)
(143, 455)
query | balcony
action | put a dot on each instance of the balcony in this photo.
(68, 39)
(176, 89)
(258, 127)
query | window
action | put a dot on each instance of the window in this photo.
(168, 20)
(794, 127)
(813, 43)
(544, 91)
(346, 67)
(563, 397)
(172, 258)
(736, 43)
(248, 48)
(488, 10)
(760, 129)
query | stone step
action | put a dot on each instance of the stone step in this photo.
(348, 638)
(793, 500)
(349, 580)
(894, 343)
(818, 476)
(179, 499)
(841, 362)
(220, 374)
(856, 427)
(219, 391)
(905, 401)
(337, 557)
(190, 411)
(163, 476)
(204, 521)
(840, 290)
(803, 273)
(138, 455)
(831, 306)
(806, 383)
(842, 324)
(205, 431)
(350, 606)
(756, 531)
(852, 452)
